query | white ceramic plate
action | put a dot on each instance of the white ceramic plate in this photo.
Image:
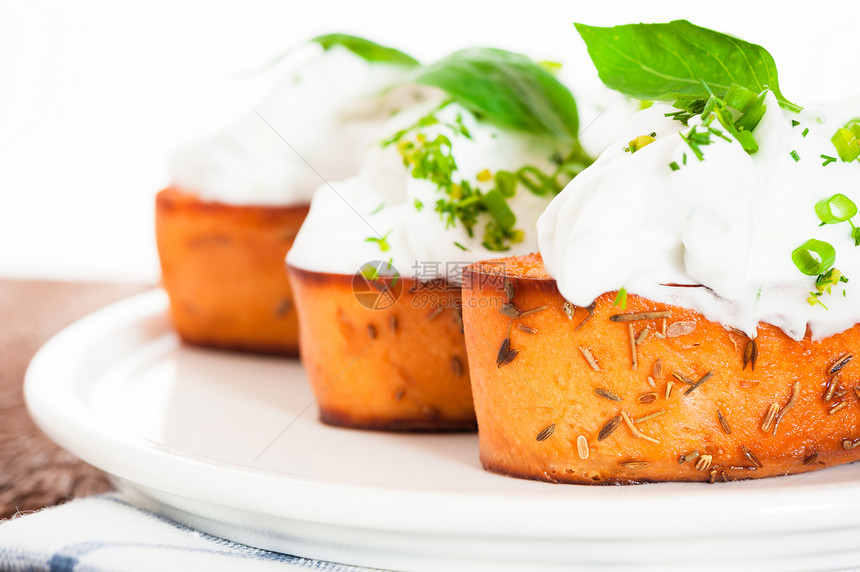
(231, 444)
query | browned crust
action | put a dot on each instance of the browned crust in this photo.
(233, 343)
(173, 199)
(349, 420)
(223, 269)
(386, 369)
(550, 382)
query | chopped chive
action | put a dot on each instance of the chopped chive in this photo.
(460, 246)
(747, 141)
(795, 156)
(805, 132)
(382, 242)
(751, 117)
(377, 209)
(739, 131)
(719, 134)
(674, 166)
(694, 143)
(827, 160)
(795, 123)
(740, 98)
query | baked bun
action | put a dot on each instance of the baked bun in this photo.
(223, 269)
(650, 392)
(391, 357)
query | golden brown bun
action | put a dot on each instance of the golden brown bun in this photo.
(401, 368)
(223, 269)
(542, 408)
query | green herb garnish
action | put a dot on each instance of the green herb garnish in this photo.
(641, 141)
(828, 280)
(795, 156)
(748, 106)
(814, 257)
(665, 62)
(836, 209)
(370, 51)
(382, 242)
(621, 299)
(824, 284)
(463, 201)
(505, 88)
(696, 138)
(827, 160)
(846, 143)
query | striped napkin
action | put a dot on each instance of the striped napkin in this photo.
(107, 533)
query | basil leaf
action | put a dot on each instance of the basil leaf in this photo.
(665, 62)
(505, 88)
(370, 51)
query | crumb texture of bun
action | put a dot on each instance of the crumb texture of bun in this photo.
(400, 366)
(650, 392)
(223, 269)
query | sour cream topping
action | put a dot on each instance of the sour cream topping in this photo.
(317, 124)
(384, 200)
(727, 224)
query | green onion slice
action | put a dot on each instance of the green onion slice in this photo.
(846, 144)
(506, 183)
(814, 257)
(854, 126)
(533, 179)
(835, 209)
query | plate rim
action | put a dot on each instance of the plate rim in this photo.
(60, 412)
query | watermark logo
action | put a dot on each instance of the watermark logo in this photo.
(377, 285)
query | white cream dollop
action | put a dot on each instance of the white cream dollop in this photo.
(381, 202)
(728, 223)
(317, 124)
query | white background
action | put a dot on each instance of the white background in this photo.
(95, 94)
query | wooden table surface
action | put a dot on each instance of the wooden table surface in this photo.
(34, 472)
